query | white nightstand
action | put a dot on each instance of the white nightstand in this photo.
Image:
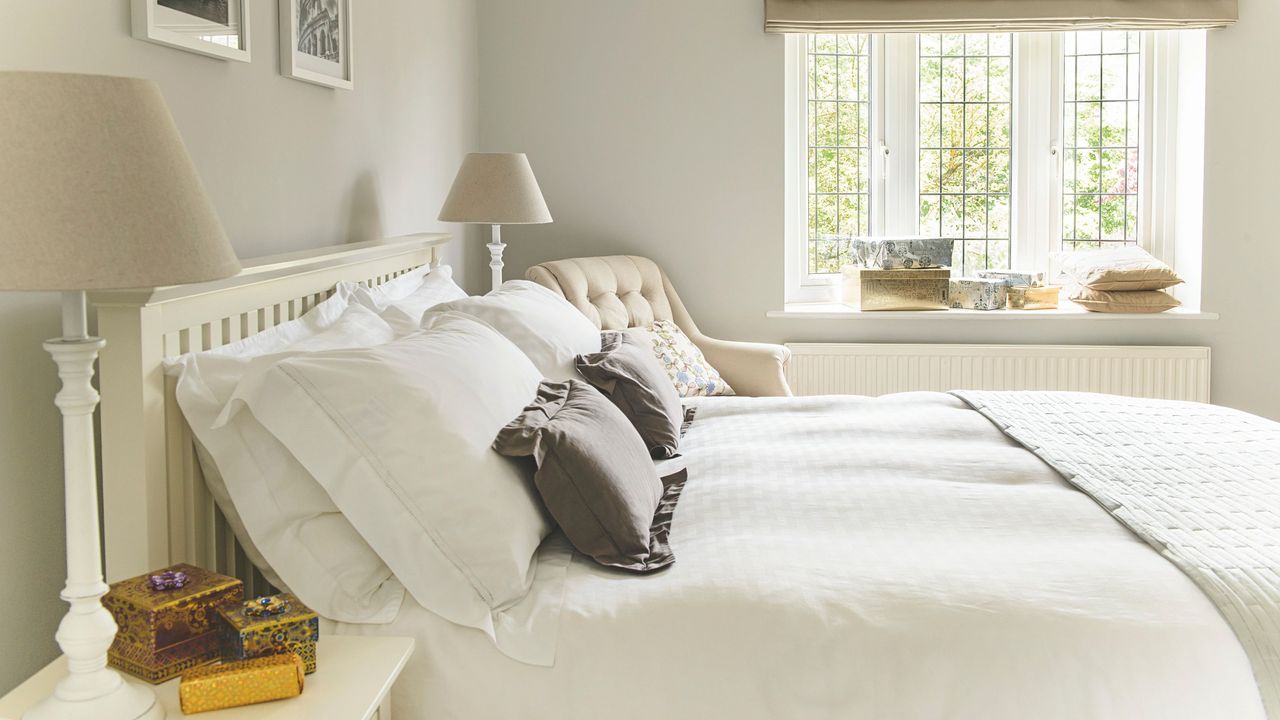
(352, 681)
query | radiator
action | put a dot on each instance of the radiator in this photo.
(1172, 373)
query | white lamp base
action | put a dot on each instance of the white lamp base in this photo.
(129, 701)
(495, 256)
(91, 690)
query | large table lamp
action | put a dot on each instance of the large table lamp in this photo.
(96, 192)
(496, 189)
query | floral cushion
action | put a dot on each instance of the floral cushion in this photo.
(684, 363)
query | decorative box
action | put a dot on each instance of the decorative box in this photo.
(244, 682)
(1034, 298)
(167, 620)
(1013, 278)
(268, 626)
(979, 294)
(879, 290)
(901, 253)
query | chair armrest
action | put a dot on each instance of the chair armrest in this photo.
(751, 369)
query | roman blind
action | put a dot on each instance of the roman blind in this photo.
(861, 16)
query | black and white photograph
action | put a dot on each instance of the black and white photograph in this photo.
(214, 28)
(315, 42)
(211, 10)
(319, 29)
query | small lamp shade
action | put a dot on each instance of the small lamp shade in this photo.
(97, 190)
(496, 189)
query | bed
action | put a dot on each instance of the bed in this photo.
(909, 556)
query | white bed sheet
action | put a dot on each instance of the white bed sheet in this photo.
(859, 558)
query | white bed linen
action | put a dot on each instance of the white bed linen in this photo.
(859, 558)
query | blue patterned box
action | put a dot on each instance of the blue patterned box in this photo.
(902, 253)
(270, 626)
(979, 294)
(1014, 278)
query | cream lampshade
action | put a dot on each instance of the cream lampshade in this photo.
(496, 189)
(96, 191)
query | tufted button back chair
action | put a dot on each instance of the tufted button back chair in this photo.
(625, 291)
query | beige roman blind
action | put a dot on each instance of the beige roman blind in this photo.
(859, 16)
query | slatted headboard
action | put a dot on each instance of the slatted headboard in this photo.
(156, 508)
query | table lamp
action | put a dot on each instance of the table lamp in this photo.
(96, 192)
(496, 189)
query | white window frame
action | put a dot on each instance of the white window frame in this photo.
(1036, 212)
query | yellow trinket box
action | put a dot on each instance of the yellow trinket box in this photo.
(269, 626)
(1034, 298)
(168, 620)
(243, 682)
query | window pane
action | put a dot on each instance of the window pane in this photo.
(966, 144)
(1101, 126)
(839, 122)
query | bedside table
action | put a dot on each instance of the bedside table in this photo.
(352, 681)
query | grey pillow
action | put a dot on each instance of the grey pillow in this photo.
(629, 375)
(595, 476)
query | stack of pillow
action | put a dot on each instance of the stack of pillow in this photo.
(370, 449)
(1123, 280)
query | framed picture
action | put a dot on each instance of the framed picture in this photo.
(315, 41)
(217, 28)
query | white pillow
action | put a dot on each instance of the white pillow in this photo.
(541, 323)
(399, 435)
(286, 522)
(402, 301)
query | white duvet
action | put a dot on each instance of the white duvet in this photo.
(859, 558)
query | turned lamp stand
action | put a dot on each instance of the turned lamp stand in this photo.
(495, 256)
(91, 690)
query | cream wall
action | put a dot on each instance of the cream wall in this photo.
(288, 165)
(664, 137)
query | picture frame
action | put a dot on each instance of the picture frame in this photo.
(316, 42)
(214, 28)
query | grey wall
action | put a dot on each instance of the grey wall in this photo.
(288, 165)
(665, 139)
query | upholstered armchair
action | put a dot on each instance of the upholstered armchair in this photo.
(623, 291)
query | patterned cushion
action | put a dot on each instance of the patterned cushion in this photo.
(689, 371)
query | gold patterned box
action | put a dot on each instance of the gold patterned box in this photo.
(268, 626)
(873, 290)
(1034, 298)
(167, 620)
(243, 682)
(157, 666)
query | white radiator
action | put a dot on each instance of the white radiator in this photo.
(1172, 373)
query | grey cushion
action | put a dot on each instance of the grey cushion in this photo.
(629, 375)
(595, 476)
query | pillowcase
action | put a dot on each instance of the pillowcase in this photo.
(285, 521)
(684, 363)
(549, 330)
(630, 376)
(399, 436)
(1138, 301)
(1124, 268)
(402, 301)
(595, 476)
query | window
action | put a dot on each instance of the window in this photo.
(839, 146)
(1102, 122)
(966, 145)
(1014, 145)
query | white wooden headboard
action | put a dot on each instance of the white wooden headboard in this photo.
(156, 508)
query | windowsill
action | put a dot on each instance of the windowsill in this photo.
(1066, 311)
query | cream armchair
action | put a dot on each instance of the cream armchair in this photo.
(623, 291)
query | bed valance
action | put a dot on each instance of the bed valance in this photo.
(853, 16)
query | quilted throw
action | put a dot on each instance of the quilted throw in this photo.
(1200, 484)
